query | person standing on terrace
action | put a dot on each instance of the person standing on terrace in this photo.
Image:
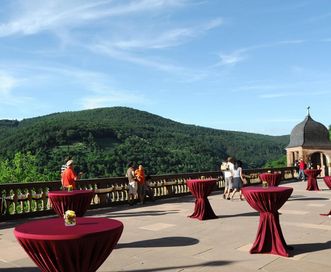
(64, 167)
(228, 178)
(140, 176)
(132, 185)
(238, 179)
(69, 177)
(302, 167)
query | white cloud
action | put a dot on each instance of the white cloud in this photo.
(73, 23)
(184, 73)
(278, 95)
(312, 84)
(230, 59)
(124, 56)
(213, 24)
(255, 120)
(167, 38)
(319, 17)
(267, 86)
(97, 89)
(33, 16)
(104, 96)
(296, 94)
(8, 83)
(127, 49)
(112, 99)
(239, 55)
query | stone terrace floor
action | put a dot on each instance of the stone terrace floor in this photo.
(160, 237)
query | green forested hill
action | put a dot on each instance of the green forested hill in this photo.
(102, 141)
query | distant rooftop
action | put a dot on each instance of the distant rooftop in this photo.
(310, 133)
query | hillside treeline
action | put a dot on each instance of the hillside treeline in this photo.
(102, 141)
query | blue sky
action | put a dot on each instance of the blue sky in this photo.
(244, 65)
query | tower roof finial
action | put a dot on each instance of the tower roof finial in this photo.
(308, 112)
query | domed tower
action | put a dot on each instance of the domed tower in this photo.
(310, 140)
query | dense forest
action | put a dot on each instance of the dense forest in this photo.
(102, 141)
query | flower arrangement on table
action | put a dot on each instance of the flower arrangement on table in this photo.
(265, 184)
(70, 188)
(70, 218)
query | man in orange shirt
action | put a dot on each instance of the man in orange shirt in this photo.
(140, 176)
(69, 177)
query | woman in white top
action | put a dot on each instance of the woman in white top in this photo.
(228, 178)
(237, 179)
(132, 186)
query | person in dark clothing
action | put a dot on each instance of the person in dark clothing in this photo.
(148, 190)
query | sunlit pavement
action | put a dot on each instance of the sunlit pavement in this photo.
(160, 237)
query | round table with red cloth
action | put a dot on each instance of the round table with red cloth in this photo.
(56, 247)
(268, 201)
(200, 189)
(312, 181)
(273, 179)
(327, 181)
(77, 200)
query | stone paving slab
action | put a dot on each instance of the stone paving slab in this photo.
(160, 237)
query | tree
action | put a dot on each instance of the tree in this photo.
(281, 162)
(22, 168)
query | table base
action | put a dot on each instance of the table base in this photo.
(312, 185)
(203, 210)
(312, 179)
(269, 238)
(327, 181)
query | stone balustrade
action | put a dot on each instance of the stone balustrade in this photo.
(31, 199)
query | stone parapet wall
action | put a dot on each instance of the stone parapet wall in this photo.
(31, 199)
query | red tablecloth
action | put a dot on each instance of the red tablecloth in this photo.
(81, 248)
(273, 179)
(312, 182)
(200, 189)
(268, 201)
(78, 201)
(327, 181)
